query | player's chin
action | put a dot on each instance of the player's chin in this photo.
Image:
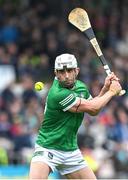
(69, 85)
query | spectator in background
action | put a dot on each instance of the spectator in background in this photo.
(9, 32)
(5, 125)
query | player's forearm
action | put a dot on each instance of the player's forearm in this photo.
(99, 102)
(96, 104)
(103, 91)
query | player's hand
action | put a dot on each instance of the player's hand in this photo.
(109, 79)
(115, 87)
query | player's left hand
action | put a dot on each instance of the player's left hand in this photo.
(109, 79)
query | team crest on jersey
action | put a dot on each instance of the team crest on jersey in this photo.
(81, 95)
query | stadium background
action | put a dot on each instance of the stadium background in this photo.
(32, 34)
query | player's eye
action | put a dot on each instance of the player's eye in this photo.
(62, 71)
(69, 70)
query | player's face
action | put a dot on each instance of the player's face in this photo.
(67, 77)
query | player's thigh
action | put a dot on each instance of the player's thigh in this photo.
(84, 173)
(39, 170)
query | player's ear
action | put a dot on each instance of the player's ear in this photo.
(77, 71)
(55, 72)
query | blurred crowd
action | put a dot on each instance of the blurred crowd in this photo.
(32, 34)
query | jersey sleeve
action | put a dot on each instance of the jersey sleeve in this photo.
(66, 99)
(88, 95)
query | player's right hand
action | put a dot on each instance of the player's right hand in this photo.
(109, 79)
(115, 87)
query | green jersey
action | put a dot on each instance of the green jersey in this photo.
(59, 127)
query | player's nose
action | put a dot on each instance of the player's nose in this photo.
(66, 74)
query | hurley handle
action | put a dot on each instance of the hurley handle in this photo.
(108, 72)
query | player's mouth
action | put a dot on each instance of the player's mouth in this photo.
(68, 84)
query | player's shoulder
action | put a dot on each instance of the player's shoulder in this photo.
(57, 94)
(81, 84)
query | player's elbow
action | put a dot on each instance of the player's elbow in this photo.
(94, 110)
(94, 113)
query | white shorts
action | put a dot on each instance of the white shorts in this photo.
(64, 161)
